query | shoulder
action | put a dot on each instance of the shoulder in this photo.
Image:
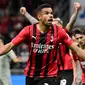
(58, 28)
(28, 26)
(27, 29)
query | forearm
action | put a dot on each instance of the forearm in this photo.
(72, 21)
(80, 53)
(30, 18)
(6, 48)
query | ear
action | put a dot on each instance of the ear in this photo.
(39, 16)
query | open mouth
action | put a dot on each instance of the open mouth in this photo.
(50, 20)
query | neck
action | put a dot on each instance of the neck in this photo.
(82, 46)
(43, 28)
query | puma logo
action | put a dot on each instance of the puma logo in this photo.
(34, 37)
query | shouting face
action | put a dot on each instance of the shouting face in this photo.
(46, 16)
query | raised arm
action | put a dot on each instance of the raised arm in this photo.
(77, 7)
(28, 16)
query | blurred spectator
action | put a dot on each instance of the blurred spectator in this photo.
(3, 22)
(24, 53)
(52, 3)
(15, 5)
(4, 3)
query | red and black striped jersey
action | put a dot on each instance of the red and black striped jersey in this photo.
(64, 59)
(43, 49)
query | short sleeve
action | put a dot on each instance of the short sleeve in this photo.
(21, 36)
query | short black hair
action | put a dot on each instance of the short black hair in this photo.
(78, 31)
(40, 7)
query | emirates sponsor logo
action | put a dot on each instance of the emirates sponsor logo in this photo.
(41, 48)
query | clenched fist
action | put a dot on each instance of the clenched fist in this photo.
(23, 10)
(77, 6)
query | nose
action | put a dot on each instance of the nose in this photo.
(51, 15)
(79, 40)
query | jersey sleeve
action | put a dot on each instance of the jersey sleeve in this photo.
(23, 35)
(67, 39)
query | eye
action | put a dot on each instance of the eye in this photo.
(46, 13)
(51, 12)
(77, 38)
(81, 37)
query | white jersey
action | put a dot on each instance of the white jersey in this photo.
(5, 68)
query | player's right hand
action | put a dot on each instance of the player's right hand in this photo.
(23, 10)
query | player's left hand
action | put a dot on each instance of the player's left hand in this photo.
(77, 5)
